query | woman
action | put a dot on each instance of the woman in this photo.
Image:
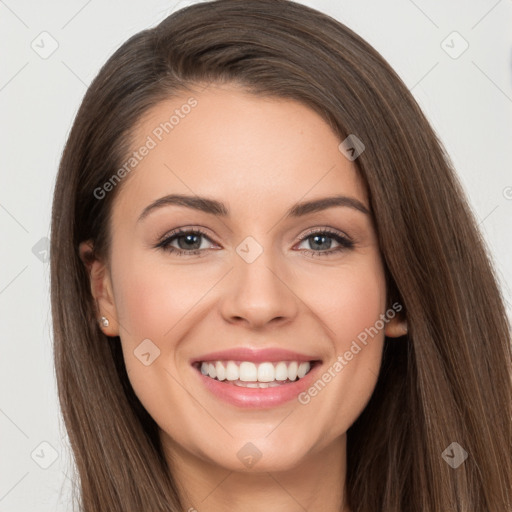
(268, 290)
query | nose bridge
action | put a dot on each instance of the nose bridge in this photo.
(258, 293)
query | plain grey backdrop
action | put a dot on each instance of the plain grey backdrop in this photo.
(454, 56)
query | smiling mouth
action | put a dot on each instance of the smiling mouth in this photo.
(256, 375)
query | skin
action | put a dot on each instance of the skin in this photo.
(261, 155)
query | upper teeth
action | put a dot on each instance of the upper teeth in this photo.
(249, 372)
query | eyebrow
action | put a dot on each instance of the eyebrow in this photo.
(218, 208)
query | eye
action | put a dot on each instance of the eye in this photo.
(320, 242)
(188, 242)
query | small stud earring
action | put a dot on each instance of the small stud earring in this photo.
(104, 321)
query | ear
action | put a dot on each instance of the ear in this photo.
(396, 327)
(101, 288)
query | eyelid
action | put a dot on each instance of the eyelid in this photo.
(322, 229)
(184, 230)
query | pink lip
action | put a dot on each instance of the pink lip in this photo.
(260, 398)
(255, 355)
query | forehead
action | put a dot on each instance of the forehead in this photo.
(227, 143)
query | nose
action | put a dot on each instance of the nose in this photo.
(258, 295)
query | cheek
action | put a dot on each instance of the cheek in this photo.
(158, 303)
(350, 300)
(350, 305)
(151, 299)
(358, 325)
(152, 303)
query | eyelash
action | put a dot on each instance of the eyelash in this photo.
(344, 242)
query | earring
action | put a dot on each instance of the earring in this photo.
(104, 321)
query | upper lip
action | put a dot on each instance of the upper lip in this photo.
(255, 355)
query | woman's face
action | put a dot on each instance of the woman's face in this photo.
(272, 274)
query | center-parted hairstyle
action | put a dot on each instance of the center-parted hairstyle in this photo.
(448, 380)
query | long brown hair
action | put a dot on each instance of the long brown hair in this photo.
(448, 380)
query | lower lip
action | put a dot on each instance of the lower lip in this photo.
(259, 398)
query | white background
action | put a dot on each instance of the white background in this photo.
(467, 99)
